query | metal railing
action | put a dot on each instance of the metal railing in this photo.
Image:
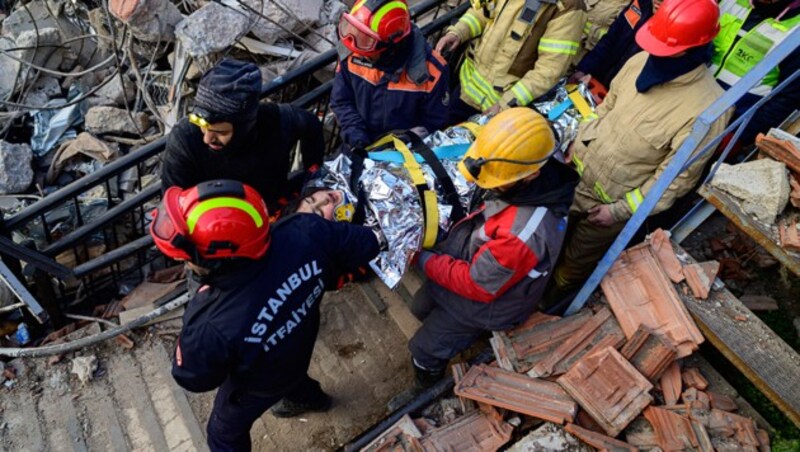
(119, 234)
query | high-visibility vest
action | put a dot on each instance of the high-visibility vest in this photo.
(733, 58)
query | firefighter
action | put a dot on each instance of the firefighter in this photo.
(229, 135)
(491, 270)
(250, 329)
(519, 50)
(618, 45)
(749, 31)
(389, 78)
(649, 111)
(599, 17)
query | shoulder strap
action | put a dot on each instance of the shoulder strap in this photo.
(449, 189)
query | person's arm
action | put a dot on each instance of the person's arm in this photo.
(178, 168)
(557, 48)
(201, 360)
(303, 126)
(434, 115)
(780, 106)
(608, 49)
(623, 209)
(343, 105)
(471, 25)
(497, 265)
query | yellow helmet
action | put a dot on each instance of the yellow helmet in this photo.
(511, 146)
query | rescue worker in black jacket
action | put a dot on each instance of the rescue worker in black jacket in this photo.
(229, 135)
(250, 329)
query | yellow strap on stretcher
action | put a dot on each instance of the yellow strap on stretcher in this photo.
(427, 197)
(473, 128)
(583, 107)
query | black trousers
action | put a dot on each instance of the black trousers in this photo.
(235, 411)
(441, 335)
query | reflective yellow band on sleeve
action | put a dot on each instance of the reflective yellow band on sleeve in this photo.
(578, 165)
(522, 93)
(601, 193)
(558, 46)
(634, 199)
(473, 23)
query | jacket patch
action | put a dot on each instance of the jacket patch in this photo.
(633, 14)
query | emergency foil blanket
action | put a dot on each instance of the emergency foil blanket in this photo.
(560, 110)
(393, 208)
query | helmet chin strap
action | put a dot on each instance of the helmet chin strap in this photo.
(474, 166)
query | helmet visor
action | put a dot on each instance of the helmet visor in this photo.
(357, 35)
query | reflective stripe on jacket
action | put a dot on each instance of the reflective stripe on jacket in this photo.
(622, 153)
(513, 60)
(599, 18)
(736, 51)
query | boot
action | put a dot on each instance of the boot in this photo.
(423, 379)
(290, 408)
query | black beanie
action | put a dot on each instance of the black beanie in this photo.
(230, 91)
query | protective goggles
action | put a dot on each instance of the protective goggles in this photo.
(358, 36)
(169, 230)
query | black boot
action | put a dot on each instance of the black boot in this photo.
(316, 401)
(423, 379)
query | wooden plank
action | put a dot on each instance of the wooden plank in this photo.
(764, 235)
(760, 354)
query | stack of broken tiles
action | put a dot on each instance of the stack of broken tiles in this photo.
(609, 375)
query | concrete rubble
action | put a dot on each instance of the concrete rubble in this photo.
(16, 173)
(761, 186)
(628, 394)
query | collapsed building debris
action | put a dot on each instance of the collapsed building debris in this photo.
(627, 394)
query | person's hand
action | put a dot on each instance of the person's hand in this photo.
(448, 43)
(601, 216)
(569, 153)
(422, 258)
(493, 110)
(577, 76)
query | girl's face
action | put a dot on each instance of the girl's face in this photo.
(321, 203)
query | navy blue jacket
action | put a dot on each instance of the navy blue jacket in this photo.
(257, 326)
(606, 59)
(369, 102)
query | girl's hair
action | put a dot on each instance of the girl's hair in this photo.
(294, 205)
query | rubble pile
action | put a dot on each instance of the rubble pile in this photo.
(768, 189)
(611, 377)
(84, 83)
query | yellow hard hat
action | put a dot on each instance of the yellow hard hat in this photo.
(511, 146)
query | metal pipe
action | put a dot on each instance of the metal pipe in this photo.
(423, 399)
(113, 256)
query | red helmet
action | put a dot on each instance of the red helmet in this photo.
(679, 25)
(372, 25)
(218, 219)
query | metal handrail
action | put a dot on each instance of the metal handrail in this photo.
(688, 148)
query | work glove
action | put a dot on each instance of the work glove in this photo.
(422, 258)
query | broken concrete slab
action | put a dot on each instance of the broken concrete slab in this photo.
(599, 441)
(114, 92)
(520, 348)
(84, 367)
(112, 120)
(16, 173)
(761, 186)
(211, 29)
(475, 431)
(149, 20)
(649, 352)
(294, 15)
(609, 388)
(639, 293)
(601, 331)
(549, 438)
(781, 146)
(519, 393)
(700, 277)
